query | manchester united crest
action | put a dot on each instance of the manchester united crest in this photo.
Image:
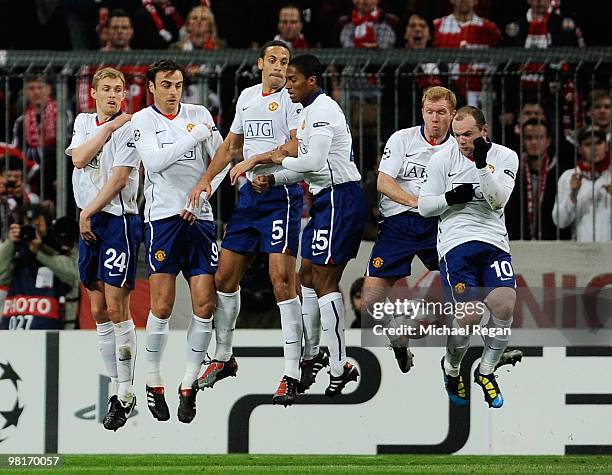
(160, 255)
(273, 106)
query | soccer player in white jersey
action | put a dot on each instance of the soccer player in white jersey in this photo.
(269, 222)
(175, 141)
(402, 232)
(333, 234)
(105, 185)
(468, 188)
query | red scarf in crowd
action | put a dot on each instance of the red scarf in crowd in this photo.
(532, 211)
(586, 167)
(364, 27)
(32, 126)
(170, 11)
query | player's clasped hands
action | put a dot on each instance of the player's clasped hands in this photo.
(240, 169)
(262, 183)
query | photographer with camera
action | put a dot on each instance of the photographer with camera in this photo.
(39, 272)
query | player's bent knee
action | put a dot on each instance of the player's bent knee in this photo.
(161, 310)
(99, 314)
(204, 310)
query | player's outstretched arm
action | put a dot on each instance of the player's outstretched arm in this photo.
(387, 185)
(432, 196)
(116, 182)
(86, 151)
(156, 159)
(275, 155)
(314, 159)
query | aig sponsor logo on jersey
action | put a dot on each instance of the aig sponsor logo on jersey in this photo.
(258, 129)
(414, 171)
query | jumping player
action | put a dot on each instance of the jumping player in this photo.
(105, 184)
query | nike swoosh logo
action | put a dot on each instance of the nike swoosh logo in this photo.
(505, 278)
(113, 275)
(152, 351)
(125, 359)
(290, 342)
(452, 174)
(317, 253)
(197, 351)
(159, 131)
(411, 155)
(274, 243)
(245, 108)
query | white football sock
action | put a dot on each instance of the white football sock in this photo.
(495, 345)
(157, 337)
(198, 339)
(125, 338)
(311, 319)
(291, 324)
(332, 319)
(226, 313)
(456, 347)
(106, 345)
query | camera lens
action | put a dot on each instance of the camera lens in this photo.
(27, 233)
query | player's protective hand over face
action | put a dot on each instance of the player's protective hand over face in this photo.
(118, 121)
(85, 228)
(481, 148)
(460, 195)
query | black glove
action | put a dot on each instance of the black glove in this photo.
(481, 148)
(460, 195)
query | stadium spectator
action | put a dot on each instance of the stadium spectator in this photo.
(599, 111)
(542, 27)
(290, 27)
(529, 211)
(35, 131)
(463, 28)
(368, 27)
(200, 31)
(200, 34)
(38, 263)
(585, 191)
(513, 121)
(120, 33)
(418, 36)
(355, 293)
(158, 23)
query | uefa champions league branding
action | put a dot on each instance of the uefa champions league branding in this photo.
(10, 408)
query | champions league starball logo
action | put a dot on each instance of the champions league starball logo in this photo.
(10, 410)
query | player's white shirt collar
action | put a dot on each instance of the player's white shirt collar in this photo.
(313, 97)
(424, 137)
(168, 116)
(112, 117)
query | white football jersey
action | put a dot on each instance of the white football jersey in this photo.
(118, 151)
(265, 121)
(325, 117)
(167, 186)
(405, 157)
(475, 220)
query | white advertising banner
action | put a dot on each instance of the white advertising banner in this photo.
(22, 392)
(555, 404)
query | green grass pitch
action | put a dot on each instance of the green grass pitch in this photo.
(336, 464)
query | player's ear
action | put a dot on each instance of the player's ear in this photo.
(151, 87)
(92, 93)
(260, 63)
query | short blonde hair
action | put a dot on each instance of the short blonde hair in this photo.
(437, 93)
(107, 73)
